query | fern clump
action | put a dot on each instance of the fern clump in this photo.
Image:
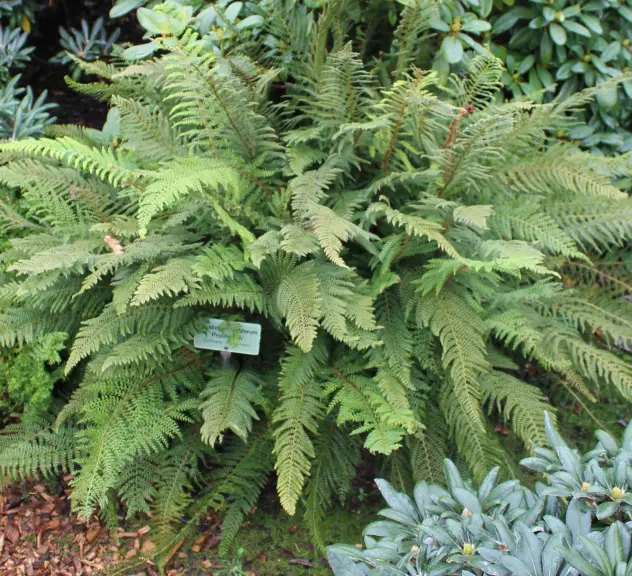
(408, 249)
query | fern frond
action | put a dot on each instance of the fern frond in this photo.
(519, 402)
(460, 332)
(237, 481)
(295, 419)
(147, 132)
(308, 190)
(29, 449)
(337, 457)
(415, 226)
(229, 402)
(530, 224)
(106, 164)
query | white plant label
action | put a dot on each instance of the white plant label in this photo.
(239, 337)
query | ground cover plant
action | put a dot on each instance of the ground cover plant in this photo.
(413, 250)
(575, 524)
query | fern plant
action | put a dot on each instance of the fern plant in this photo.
(408, 250)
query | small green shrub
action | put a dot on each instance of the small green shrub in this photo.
(27, 377)
(577, 524)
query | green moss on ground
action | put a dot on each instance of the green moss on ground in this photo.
(271, 539)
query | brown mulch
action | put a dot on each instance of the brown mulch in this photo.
(39, 535)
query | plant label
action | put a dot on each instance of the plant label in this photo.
(222, 335)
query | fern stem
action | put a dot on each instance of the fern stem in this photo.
(599, 423)
(391, 144)
(221, 102)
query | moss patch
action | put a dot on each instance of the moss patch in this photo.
(271, 543)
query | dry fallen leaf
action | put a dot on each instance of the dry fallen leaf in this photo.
(12, 534)
(147, 547)
(93, 534)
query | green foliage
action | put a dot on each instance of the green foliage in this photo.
(392, 236)
(27, 378)
(549, 49)
(22, 115)
(577, 524)
(91, 42)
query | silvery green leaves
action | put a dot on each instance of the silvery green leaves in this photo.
(14, 53)
(599, 480)
(504, 529)
(88, 43)
(441, 530)
(603, 553)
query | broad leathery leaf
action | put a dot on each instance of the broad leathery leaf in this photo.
(627, 435)
(611, 51)
(233, 11)
(577, 521)
(529, 548)
(122, 7)
(476, 26)
(501, 492)
(576, 560)
(555, 440)
(250, 22)
(402, 518)
(485, 7)
(571, 463)
(607, 97)
(467, 499)
(591, 22)
(505, 534)
(452, 475)
(452, 49)
(576, 28)
(396, 500)
(558, 34)
(625, 12)
(537, 464)
(508, 19)
(151, 21)
(555, 525)
(516, 566)
(422, 495)
(613, 543)
(488, 483)
(492, 565)
(205, 19)
(340, 561)
(606, 509)
(383, 528)
(139, 51)
(597, 554)
(621, 471)
(551, 555)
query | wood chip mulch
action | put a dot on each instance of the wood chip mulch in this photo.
(39, 535)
